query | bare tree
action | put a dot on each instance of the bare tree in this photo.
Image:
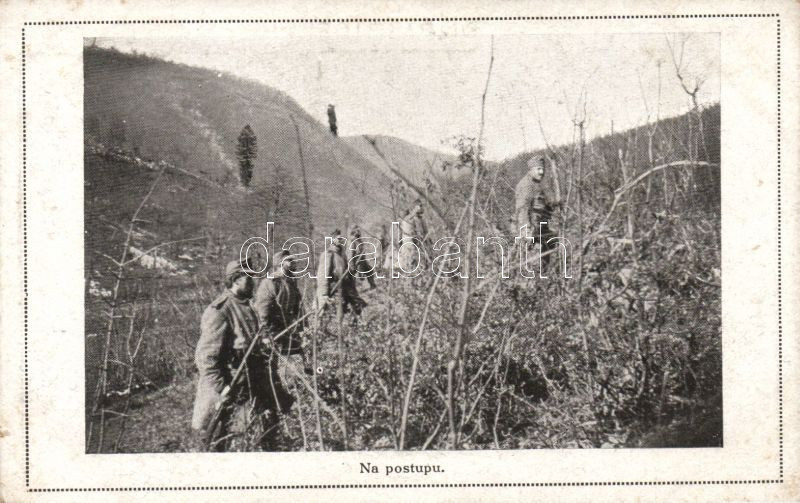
(457, 359)
(691, 85)
(101, 389)
(652, 126)
(304, 177)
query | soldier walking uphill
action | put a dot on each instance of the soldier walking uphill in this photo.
(252, 405)
(333, 269)
(413, 230)
(278, 305)
(534, 207)
(357, 257)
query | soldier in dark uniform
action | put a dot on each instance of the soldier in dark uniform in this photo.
(534, 206)
(227, 328)
(278, 304)
(332, 120)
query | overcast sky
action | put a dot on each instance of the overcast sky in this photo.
(427, 89)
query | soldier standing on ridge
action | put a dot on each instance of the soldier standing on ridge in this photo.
(332, 120)
(227, 327)
(534, 206)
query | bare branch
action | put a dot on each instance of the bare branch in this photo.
(629, 185)
(485, 91)
(418, 343)
(420, 192)
(644, 96)
(303, 174)
(457, 359)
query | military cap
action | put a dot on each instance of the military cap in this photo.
(536, 160)
(235, 267)
(278, 257)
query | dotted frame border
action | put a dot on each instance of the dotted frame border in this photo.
(30, 489)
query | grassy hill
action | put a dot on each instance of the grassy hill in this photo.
(191, 117)
(144, 115)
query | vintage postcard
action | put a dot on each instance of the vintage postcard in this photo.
(435, 251)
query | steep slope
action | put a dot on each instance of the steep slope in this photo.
(392, 154)
(192, 117)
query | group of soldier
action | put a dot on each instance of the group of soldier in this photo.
(244, 333)
(249, 328)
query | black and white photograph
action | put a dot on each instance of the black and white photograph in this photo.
(402, 243)
(399, 251)
(454, 242)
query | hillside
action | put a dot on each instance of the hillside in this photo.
(191, 117)
(671, 138)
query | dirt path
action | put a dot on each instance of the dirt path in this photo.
(159, 421)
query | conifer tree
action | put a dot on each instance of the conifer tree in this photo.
(246, 152)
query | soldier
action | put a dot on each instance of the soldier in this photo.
(356, 256)
(413, 230)
(534, 206)
(227, 328)
(332, 120)
(278, 304)
(333, 267)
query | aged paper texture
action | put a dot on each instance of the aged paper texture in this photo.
(438, 251)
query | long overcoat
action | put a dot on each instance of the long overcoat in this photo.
(227, 326)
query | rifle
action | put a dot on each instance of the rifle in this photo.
(225, 396)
